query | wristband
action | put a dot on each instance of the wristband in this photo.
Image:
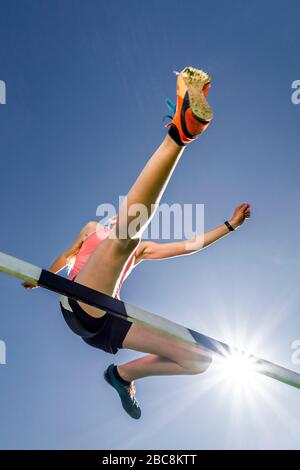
(230, 227)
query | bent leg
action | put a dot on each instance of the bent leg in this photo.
(168, 356)
(150, 365)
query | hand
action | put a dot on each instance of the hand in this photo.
(241, 213)
(29, 285)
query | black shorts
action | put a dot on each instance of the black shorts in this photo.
(106, 333)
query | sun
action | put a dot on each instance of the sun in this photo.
(239, 368)
(238, 371)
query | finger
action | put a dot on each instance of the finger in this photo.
(242, 207)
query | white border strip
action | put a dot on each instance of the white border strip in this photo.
(18, 268)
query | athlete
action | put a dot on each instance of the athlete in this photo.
(102, 258)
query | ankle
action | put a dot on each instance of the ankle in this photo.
(119, 373)
(174, 137)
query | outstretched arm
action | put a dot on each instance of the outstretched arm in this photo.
(152, 250)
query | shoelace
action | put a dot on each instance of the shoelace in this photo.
(172, 107)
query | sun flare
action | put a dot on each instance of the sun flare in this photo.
(239, 369)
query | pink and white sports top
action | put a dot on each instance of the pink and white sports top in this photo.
(87, 248)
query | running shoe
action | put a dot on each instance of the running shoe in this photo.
(192, 113)
(126, 393)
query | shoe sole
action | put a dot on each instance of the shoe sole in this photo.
(195, 80)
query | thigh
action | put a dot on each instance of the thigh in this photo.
(102, 271)
(151, 341)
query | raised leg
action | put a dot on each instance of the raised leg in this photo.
(149, 186)
(105, 265)
(191, 118)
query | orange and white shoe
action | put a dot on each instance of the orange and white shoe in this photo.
(192, 113)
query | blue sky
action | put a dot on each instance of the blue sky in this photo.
(86, 89)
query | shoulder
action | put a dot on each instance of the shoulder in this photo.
(89, 228)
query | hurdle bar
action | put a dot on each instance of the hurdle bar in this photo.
(43, 278)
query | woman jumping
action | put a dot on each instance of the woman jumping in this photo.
(103, 258)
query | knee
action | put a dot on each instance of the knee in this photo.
(197, 366)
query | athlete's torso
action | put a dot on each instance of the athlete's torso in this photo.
(89, 245)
